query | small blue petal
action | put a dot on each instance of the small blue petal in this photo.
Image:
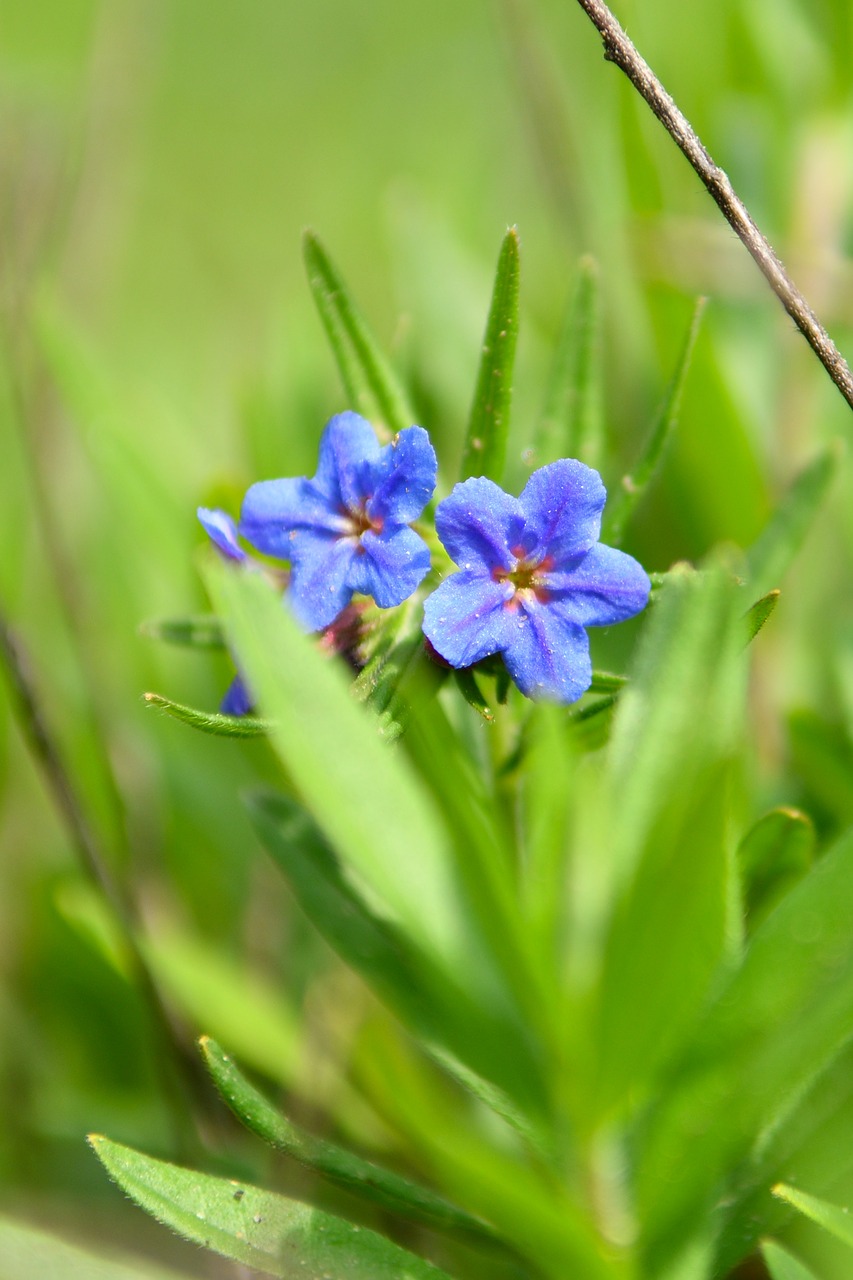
(348, 449)
(562, 505)
(549, 654)
(222, 531)
(466, 618)
(389, 566)
(272, 509)
(237, 700)
(319, 587)
(479, 525)
(605, 586)
(403, 478)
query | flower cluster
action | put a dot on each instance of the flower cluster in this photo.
(532, 573)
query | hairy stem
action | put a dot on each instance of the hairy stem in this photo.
(619, 49)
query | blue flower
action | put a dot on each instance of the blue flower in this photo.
(347, 529)
(532, 576)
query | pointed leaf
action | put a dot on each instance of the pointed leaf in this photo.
(473, 695)
(363, 1179)
(771, 555)
(773, 856)
(625, 499)
(488, 424)
(203, 632)
(277, 1236)
(371, 385)
(756, 616)
(210, 721)
(783, 1265)
(570, 425)
(832, 1217)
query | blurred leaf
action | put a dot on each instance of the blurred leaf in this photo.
(607, 682)
(783, 1265)
(277, 1236)
(27, 1253)
(773, 856)
(775, 1024)
(203, 632)
(370, 383)
(570, 425)
(488, 424)
(769, 558)
(624, 500)
(210, 721)
(758, 613)
(591, 723)
(822, 757)
(833, 1218)
(367, 1181)
(473, 695)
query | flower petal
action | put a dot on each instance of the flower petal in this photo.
(548, 656)
(389, 566)
(479, 525)
(562, 505)
(403, 478)
(466, 618)
(272, 509)
(237, 700)
(222, 531)
(605, 586)
(349, 450)
(319, 587)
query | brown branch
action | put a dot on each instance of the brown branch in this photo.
(619, 49)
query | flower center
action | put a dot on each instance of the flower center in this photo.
(359, 522)
(526, 576)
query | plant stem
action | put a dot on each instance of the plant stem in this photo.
(619, 49)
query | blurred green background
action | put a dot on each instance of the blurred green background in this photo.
(158, 163)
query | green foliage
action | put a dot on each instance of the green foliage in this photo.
(214, 722)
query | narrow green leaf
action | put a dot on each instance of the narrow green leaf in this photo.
(781, 1018)
(363, 1179)
(277, 1236)
(570, 425)
(472, 693)
(369, 381)
(488, 424)
(607, 682)
(210, 721)
(769, 558)
(203, 632)
(832, 1217)
(758, 613)
(783, 1265)
(27, 1253)
(773, 856)
(624, 501)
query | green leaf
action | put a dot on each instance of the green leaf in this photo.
(775, 854)
(783, 1265)
(29, 1254)
(758, 613)
(210, 721)
(832, 1217)
(203, 632)
(277, 1236)
(363, 1179)
(770, 556)
(624, 500)
(780, 1019)
(369, 381)
(570, 425)
(488, 424)
(607, 682)
(473, 695)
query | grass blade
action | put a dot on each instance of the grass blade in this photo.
(624, 500)
(214, 722)
(773, 856)
(367, 1181)
(769, 558)
(279, 1237)
(488, 424)
(783, 1265)
(833, 1218)
(370, 383)
(202, 632)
